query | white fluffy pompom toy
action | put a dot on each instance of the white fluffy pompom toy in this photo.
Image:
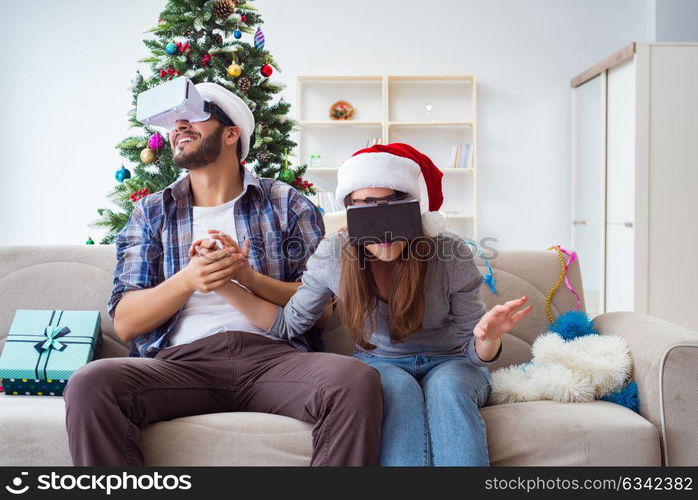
(571, 363)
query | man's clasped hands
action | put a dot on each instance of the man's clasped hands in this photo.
(211, 267)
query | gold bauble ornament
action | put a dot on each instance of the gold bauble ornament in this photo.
(234, 70)
(223, 8)
(148, 155)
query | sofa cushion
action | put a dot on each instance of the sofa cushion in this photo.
(229, 439)
(34, 433)
(532, 433)
(569, 434)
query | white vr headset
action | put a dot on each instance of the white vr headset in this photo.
(175, 100)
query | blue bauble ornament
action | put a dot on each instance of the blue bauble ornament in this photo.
(122, 174)
(171, 48)
(237, 34)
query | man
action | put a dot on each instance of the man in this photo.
(192, 352)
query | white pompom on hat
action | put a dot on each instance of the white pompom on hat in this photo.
(234, 107)
(402, 168)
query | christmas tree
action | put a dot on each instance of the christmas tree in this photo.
(204, 40)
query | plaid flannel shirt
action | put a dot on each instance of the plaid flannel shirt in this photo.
(283, 227)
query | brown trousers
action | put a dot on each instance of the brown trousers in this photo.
(108, 400)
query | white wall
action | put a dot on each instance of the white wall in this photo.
(70, 64)
(673, 20)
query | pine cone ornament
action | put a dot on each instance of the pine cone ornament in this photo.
(223, 8)
(264, 156)
(217, 39)
(244, 84)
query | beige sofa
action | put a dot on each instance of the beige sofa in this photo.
(534, 433)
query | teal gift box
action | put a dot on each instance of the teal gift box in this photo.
(44, 348)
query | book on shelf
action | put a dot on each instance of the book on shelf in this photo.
(326, 201)
(461, 155)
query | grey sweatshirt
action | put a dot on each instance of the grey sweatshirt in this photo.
(452, 292)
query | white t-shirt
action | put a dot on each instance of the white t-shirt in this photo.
(207, 313)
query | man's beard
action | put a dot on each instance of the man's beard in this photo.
(205, 154)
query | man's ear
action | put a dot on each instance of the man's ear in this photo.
(231, 135)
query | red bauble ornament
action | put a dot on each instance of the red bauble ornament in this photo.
(184, 48)
(243, 18)
(302, 183)
(141, 193)
(169, 73)
(266, 70)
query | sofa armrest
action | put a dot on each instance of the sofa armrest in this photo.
(665, 368)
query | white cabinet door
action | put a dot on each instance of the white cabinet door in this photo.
(588, 177)
(673, 185)
(620, 143)
(620, 267)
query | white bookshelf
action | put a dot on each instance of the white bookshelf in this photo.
(394, 109)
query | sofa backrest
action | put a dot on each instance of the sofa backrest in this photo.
(80, 277)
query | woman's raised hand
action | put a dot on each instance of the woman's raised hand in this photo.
(501, 319)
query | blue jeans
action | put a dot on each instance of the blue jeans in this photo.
(430, 409)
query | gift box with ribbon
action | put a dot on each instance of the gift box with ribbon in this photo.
(44, 348)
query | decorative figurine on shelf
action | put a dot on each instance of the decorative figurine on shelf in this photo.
(315, 161)
(429, 108)
(342, 110)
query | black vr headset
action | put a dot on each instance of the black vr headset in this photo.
(384, 220)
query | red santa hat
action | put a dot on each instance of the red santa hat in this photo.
(402, 168)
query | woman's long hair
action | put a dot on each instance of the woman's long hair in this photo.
(358, 293)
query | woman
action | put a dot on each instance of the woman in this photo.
(413, 309)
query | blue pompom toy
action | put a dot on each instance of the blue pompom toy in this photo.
(573, 324)
(627, 396)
